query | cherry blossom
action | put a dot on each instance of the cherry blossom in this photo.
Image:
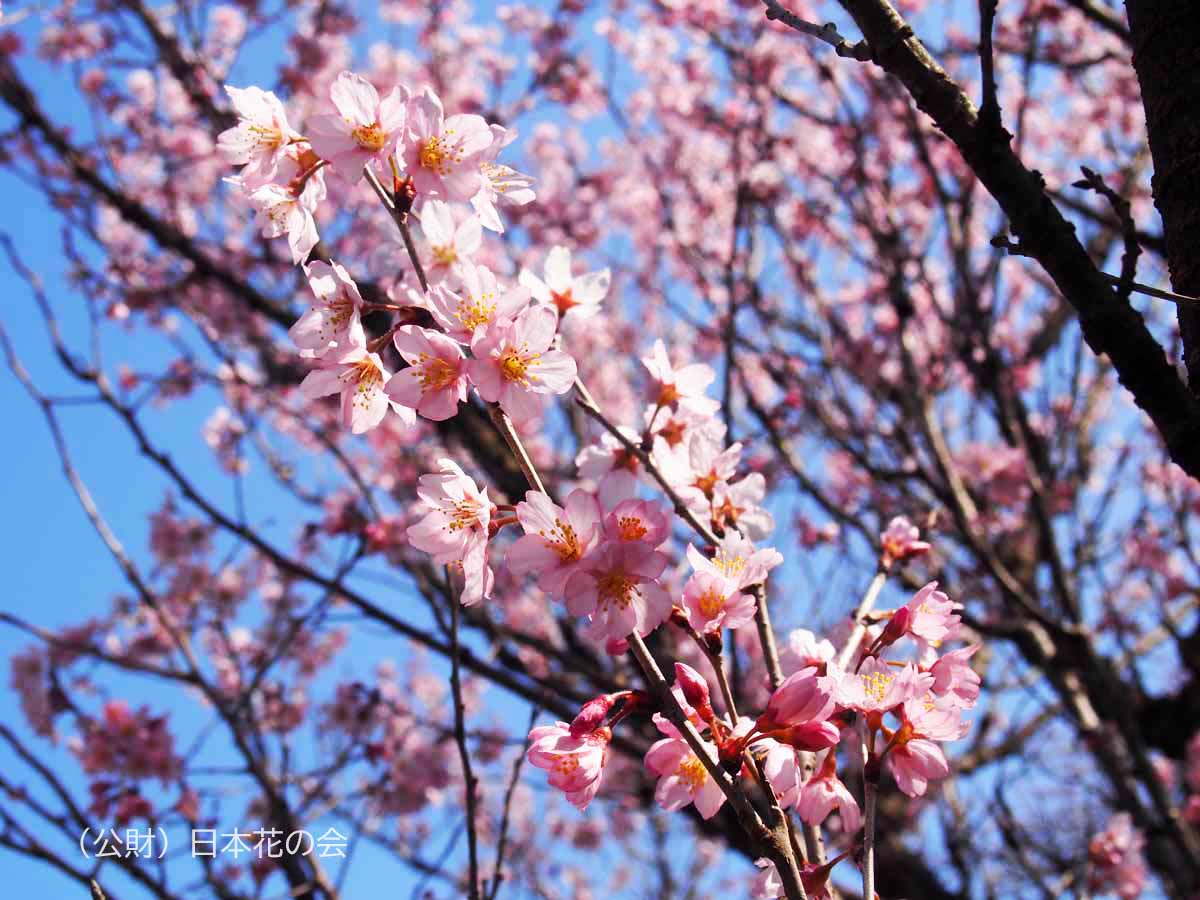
(683, 778)
(557, 538)
(444, 155)
(259, 140)
(684, 386)
(575, 762)
(435, 381)
(901, 541)
(450, 246)
(617, 587)
(822, 792)
(713, 603)
(334, 320)
(573, 297)
(363, 128)
(500, 183)
(453, 528)
(359, 376)
(478, 304)
(514, 365)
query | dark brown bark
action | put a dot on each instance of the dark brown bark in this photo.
(1110, 325)
(1166, 54)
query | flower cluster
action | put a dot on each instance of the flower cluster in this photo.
(495, 339)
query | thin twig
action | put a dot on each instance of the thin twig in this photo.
(460, 738)
(827, 32)
(502, 839)
(860, 613)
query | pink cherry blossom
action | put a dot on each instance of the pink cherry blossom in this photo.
(364, 128)
(499, 183)
(684, 386)
(877, 686)
(915, 763)
(901, 541)
(334, 320)
(359, 377)
(803, 649)
(573, 297)
(822, 792)
(514, 365)
(713, 603)
(443, 155)
(613, 466)
(738, 560)
(617, 586)
(782, 768)
(804, 696)
(575, 763)
(933, 617)
(682, 777)
(637, 520)
(1115, 854)
(478, 304)
(435, 381)
(259, 140)
(954, 678)
(451, 246)
(456, 513)
(454, 526)
(287, 209)
(556, 539)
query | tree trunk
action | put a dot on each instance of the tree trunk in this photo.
(1166, 55)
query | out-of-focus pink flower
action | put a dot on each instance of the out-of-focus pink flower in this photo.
(682, 777)
(359, 377)
(443, 155)
(363, 128)
(435, 381)
(573, 297)
(334, 320)
(1117, 864)
(575, 764)
(556, 539)
(514, 365)
(901, 541)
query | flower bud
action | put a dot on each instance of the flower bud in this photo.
(695, 691)
(592, 715)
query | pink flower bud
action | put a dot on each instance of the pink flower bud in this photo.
(695, 690)
(810, 736)
(592, 715)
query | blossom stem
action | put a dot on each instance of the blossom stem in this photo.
(860, 616)
(460, 738)
(507, 431)
(870, 794)
(777, 843)
(401, 219)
